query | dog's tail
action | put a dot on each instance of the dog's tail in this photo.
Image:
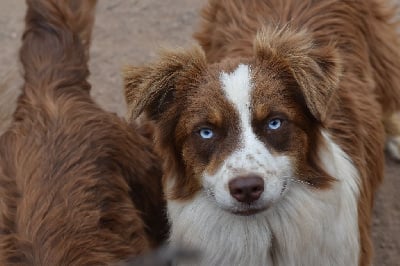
(55, 46)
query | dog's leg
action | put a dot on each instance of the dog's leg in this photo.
(392, 128)
(164, 256)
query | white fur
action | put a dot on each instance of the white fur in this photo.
(238, 87)
(306, 227)
(251, 156)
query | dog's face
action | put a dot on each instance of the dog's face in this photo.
(241, 130)
(242, 135)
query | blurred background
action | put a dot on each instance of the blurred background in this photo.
(131, 32)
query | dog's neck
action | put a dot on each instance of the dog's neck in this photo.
(307, 227)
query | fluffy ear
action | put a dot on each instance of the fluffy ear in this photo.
(316, 69)
(151, 89)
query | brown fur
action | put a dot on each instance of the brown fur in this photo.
(8, 97)
(78, 185)
(226, 30)
(343, 56)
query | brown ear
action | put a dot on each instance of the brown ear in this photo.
(316, 69)
(152, 88)
(133, 78)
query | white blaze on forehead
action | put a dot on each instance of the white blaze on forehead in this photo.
(237, 87)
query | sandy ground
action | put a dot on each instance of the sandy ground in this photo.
(130, 32)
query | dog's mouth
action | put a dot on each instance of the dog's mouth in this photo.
(249, 209)
(249, 212)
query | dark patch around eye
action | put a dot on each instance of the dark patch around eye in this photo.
(279, 139)
(210, 152)
(204, 148)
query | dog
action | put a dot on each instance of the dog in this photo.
(78, 185)
(272, 131)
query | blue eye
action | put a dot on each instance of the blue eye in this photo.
(206, 133)
(274, 124)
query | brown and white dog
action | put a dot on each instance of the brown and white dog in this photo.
(273, 137)
(78, 185)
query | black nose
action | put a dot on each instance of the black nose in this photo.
(246, 189)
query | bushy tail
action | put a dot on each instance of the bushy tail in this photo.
(55, 45)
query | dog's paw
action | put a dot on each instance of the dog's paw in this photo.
(393, 147)
(164, 256)
(392, 128)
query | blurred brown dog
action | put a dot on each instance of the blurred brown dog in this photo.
(78, 185)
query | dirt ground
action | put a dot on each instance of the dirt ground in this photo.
(130, 32)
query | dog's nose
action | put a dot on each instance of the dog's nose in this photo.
(246, 189)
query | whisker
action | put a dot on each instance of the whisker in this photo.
(299, 181)
(302, 182)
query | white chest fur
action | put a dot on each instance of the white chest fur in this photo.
(307, 227)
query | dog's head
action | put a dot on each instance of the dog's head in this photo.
(242, 129)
